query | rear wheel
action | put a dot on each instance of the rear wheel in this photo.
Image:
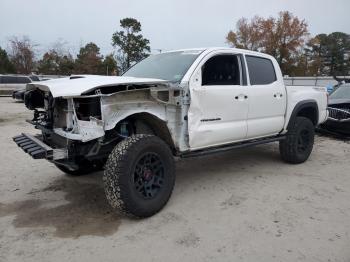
(140, 175)
(297, 146)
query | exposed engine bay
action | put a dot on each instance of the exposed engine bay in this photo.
(88, 126)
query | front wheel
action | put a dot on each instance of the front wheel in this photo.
(297, 146)
(139, 175)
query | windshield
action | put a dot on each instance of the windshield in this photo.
(343, 92)
(170, 66)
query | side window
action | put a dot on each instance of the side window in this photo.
(261, 70)
(221, 70)
(9, 80)
(23, 80)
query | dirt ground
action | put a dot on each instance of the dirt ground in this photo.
(245, 205)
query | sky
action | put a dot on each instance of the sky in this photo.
(168, 24)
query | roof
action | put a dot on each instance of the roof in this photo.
(211, 49)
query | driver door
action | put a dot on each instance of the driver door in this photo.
(219, 102)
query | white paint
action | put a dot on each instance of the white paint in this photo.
(260, 115)
(66, 87)
(267, 106)
(295, 94)
(215, 117)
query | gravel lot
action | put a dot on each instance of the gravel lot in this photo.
(245, 205)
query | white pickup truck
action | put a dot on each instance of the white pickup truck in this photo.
(181, 103)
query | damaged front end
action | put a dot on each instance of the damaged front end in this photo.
(69, 128)
(86, 127)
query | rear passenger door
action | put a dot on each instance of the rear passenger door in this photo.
(267, 98)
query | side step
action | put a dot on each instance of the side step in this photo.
(218, 149)
(37, 148)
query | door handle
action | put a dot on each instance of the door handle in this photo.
(241, 97)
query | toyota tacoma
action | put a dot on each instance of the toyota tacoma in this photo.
(182, 103)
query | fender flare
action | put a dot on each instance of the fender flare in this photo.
(300, 106)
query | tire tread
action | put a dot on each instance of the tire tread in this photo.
(288, 150)
(117, 166)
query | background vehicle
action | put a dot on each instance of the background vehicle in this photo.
(182, 103)
(18, 93)
(10, 83)
(15, 85)
(339, 111)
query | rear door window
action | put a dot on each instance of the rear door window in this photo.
(261, 70)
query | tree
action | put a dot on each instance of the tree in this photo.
(66, 65)
(132, 45)
(313, 55)
(57, 60)
(89, 60)
(282, 37)
(330, 54)
(337, 53)
(248, 35)
(5, 64)
(109, 65)
(22, 54)
(49, 64)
